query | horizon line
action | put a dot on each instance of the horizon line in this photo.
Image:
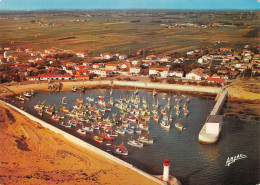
(67, 9)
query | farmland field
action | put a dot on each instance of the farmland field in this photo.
(127, 31)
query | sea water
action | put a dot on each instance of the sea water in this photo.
(191, 162)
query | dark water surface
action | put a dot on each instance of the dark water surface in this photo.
(192, 163)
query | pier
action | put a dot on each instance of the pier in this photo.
(210, 131)
(221, 101)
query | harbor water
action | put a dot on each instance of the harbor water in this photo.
(191, 162)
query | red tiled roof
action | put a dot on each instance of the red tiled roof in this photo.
(55, 76)
(197, 71)
(219, 80)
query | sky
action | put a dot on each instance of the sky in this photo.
(130, 4)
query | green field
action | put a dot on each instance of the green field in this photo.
(125, 31)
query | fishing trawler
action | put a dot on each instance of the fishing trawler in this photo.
(64, 109)
(171, 117)
(156, 117)
(83, 89)
(63, 101)
(186, 112)
(20, 98)
(66, 124)
(120, 150)
(154, 92)
(146, 139)
(179, 125)
(135, 143)
(165, 123)
(39, 111)
(163, 111)
(74, 89)
(98, 139)
(81, 131)
(55, 117)
(87, 128)
(28, 94)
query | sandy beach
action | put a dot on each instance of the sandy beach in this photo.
(31, 154)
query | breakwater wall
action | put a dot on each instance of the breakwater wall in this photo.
(221, 101)
(210, 137)
(86, 145)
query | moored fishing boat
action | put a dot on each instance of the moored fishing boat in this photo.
(120, 150)
(138, 131)
(129, 130)
(107, 136)
(82, 89)
(163, 111)
(65, 124)
(179, 125)
(98, 139)
(120, 131)
(20, 98)
(27, 94)
(154, 92)
(79, 101)
(55, 117)
(177, 107)
(81, 131)
(63, 101)
(143, 126)
(74, 89)
(135, 143)
(39, 105)
(156, 118)
(165, 123)
(39, 111)
(146, 139)
(186, 112)
(171, 117)
(64, 109)
(87, 128)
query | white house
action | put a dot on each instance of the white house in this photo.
(135, 62)
(122, 57)
(100, 72)
(106, 55)
(150, 57)
(166, 59)
(55, 77)
(135, 70)
(81, 54)
(162, 71)
(195, 74)
(125, 65)
(178, 74)
(204, 60)
(190, 52)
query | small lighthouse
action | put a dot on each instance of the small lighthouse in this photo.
(166, 169)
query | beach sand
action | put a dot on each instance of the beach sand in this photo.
(32, 154)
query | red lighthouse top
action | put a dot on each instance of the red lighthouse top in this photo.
(166, 162)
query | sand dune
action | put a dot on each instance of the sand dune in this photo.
(31, 154)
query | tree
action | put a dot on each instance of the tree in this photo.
(153, 78)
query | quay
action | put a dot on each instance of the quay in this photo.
(210, 131)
